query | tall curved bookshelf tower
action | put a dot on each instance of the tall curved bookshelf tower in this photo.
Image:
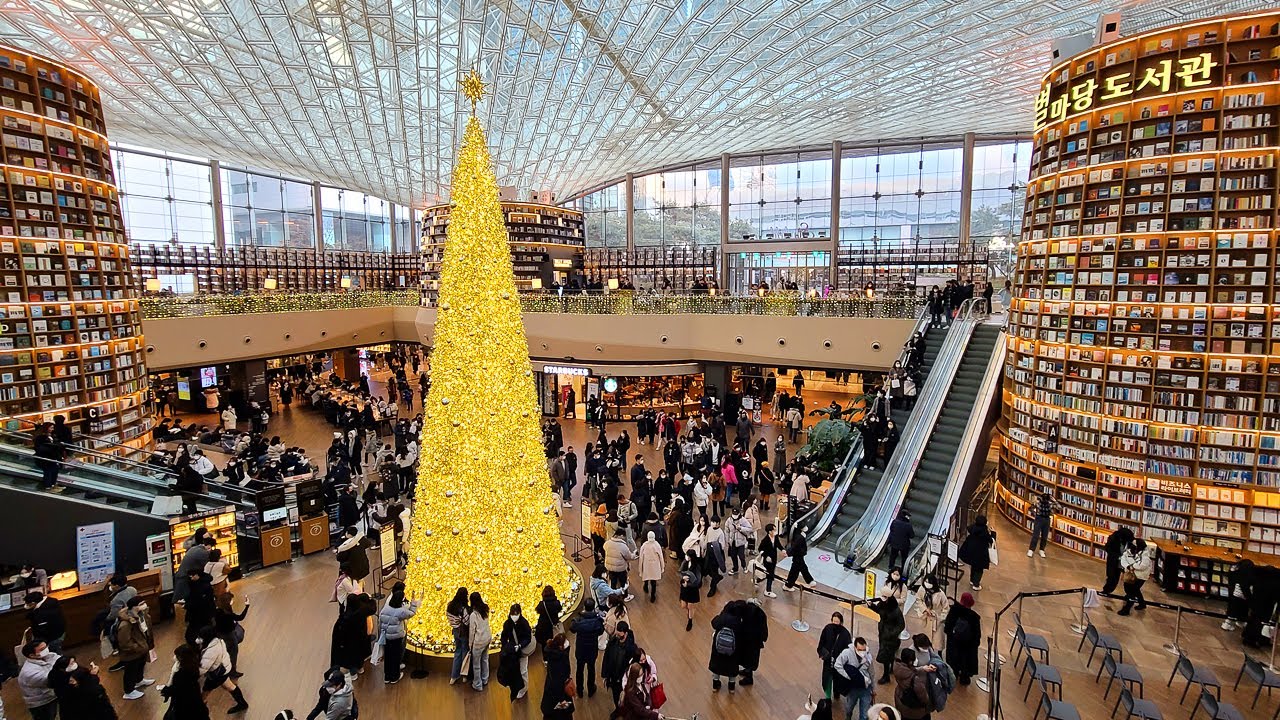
(70, 334)
(1142, 385)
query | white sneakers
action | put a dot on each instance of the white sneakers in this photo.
(770, 594)
(144, 682)
(1031, 553)
(1228, 624)
(1042, 554)
(134, 695)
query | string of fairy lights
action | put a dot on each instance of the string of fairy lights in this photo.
(615, 303)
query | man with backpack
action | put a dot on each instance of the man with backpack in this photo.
(727, 626)
(942, 679)
(912, 697)
(853, 678)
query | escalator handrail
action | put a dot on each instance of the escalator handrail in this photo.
(846, 473)
(958, 472)
(106, 488)
(140, 504)
(862, 542)
(156, 476)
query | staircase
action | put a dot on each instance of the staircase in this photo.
(934, 469)
(865, 480)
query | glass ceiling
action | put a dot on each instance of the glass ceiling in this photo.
(362, 94)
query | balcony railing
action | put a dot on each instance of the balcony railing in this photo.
(614, 303)
(154, 308)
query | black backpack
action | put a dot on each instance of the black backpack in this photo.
(856, 679)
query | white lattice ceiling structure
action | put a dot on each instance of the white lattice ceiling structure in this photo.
(363, 93)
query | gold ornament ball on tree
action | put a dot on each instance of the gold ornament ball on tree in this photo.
(503, 541)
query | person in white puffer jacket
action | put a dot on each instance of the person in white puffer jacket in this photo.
(1135, 568)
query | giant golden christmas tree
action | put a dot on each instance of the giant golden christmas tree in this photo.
(485, 517)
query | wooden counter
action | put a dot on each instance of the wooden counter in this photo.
(79, 607)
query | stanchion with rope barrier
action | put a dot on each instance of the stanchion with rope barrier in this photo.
(799, 625)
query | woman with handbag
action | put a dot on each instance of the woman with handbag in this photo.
(215, 669)
(690, 585)
(549, 610)
(558, 691)
(1135, 568)
(516, 645)
(976, 550)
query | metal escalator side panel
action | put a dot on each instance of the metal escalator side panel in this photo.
(864, 542)
(979, 423)
(833, 504)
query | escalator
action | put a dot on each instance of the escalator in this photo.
(932, 474)
(865, 480)
(102, 478)
(918, 476)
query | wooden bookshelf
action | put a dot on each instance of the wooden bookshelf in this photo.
(1142, 383)
(547, 243)
(647, 266)
(246, 269)
(70, 333)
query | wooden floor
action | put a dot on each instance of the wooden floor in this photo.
(288, 630)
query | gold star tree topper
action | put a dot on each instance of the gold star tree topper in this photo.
(473, 86)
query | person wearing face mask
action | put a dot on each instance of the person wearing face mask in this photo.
(47, 621)
(713, 555)
(392, 618)
(557, 702)
(619, 653)
(80, 694)
(337, 699)
(834, 639)
(855, 674)
(135, 643)
(33, 680)
(516, 645)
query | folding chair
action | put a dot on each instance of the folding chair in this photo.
(1042, 673)
(1258, 673)
(1217, 709)
(1029, 641)
(1098, 639)
(1203, 677)
(1054, 709)
(1127, 674)
(1142, 709)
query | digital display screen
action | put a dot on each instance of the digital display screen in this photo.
(184, 390)
(274, 514)
(208, 377)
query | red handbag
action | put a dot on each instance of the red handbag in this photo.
(659, 697)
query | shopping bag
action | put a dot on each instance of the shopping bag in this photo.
(375, 656)
(104, 646)
(995, 556)
(659, 697)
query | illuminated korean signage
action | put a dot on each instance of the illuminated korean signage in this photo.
(1115, 84)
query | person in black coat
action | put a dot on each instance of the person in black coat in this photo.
(1117, 541)
(48, 454)
(513, 664)
(353, 554)
(619, 653)
(556, 702)
(587, 629)
(871, 431)
(724, 664)
(751, 639)
(352, 643)
(183, 693)
(834, 639)
(348, 506)
(797, 551)
(80, 693)
(200, 605)
(45, 618)
(975, 551)
(1262, 603)
(549, 610)
(889, 442)
(1240, 583)
(900, 535)
(963, 628)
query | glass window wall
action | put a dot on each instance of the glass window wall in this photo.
(407, 228)
(605, 217)
(780, 197)
(165, 200)
(355, 221)
(678, 208)
(267, 211)
(999, 196)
